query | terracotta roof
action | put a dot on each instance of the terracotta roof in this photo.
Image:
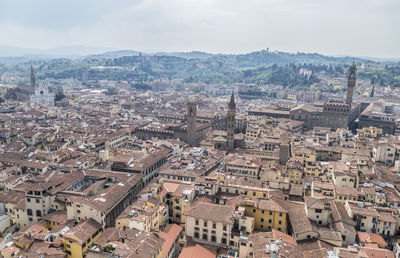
(288, 246)
(371, 238)
(170, 236)
(57, 216)
(197, 251)
(214, 212)
(285, 237)
(82, 231)
(298, 217)
(376, 252)
(139, 244)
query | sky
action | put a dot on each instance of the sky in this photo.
(332, 27)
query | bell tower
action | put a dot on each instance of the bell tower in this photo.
(230, 123)
(351, 83)
(191, 123)
(33, 80)
(372, 94)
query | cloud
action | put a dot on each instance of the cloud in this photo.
(356, 27)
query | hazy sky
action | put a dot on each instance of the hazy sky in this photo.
(334, 27)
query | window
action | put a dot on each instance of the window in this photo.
(28, 199)
(197, 222)
(270, 213)
(38, 213)
(205, 237)
(205, 223)
(223, 240)
(29, 211)
(254, 210)
(280, 214)
(318, 210)
(214, 225)
(280, 222)
(196, 234)
(224, 228)
(37, 200)
(270, 221)
(30, 219)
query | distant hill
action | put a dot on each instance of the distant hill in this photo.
(62, 51)
(113, 54)
(186, 55)
(259, 67)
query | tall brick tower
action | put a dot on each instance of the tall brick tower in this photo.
(351, 83)
(33, 80)
(230, 123)
(372, 94)
(191, 123)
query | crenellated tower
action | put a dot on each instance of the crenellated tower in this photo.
(351, 83)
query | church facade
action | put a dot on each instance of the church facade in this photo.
(41, 94)
(32, 92)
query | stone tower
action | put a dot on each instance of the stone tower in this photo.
(104, 155)
(191, 123)
(372, 94)
(33, 80)
(351, 83)
(230, 123)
